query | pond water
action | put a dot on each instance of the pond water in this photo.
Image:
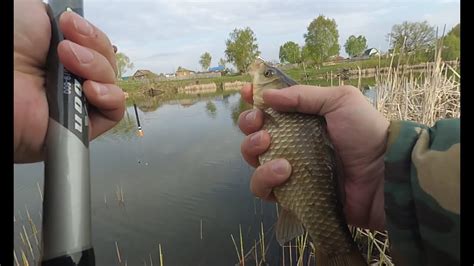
(186, 171)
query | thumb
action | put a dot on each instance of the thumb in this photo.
(306, 99)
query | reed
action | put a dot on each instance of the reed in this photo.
(241, 245)
(39, 190)
(236, 249)
(118, 253)
(24, 259)
(201, 228)
(15, 258)
(161, 255)
(424, 98)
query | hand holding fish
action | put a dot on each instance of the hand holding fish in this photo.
(357, 131)
(87, 53)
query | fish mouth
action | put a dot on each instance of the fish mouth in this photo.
(256, 65)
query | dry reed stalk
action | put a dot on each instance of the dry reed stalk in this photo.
(28, 241)
(236, 249)
(241, 245)
(161, 255)
(24, 259)
(201, 229)
(118, 253)
(425, 98)
(39, 190)
(16, 260)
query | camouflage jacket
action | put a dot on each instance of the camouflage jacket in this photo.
(422, 192)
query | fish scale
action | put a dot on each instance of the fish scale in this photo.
(311, 190)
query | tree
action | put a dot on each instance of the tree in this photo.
(205, 60)
(123, 64)
(241, 48)
(322, 39)
(222, 62)
(412, 36)
(305, 54)
(290, 52)
(355, 45)
(456, 30)
(452, 44)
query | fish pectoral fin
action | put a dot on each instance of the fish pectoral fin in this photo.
(288, 227)
(269, 119)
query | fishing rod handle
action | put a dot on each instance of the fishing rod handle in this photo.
(66, 227)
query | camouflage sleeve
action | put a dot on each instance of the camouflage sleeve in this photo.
(422, 192)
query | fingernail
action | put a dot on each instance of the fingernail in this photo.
(255, 138)
(82, 26)
(250, 116)
(83, 55)
(280, 167)
(100, 89)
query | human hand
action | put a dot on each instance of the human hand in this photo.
(357, 130)
(87, 52)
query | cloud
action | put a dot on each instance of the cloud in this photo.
(162, 35)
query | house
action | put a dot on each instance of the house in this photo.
(371, 52)
(143, 74)
(216, 69)
(367, 54)
(183, 72)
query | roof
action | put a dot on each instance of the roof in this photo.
(217, 68)
(370, 51)
(142, 72)
(182, 69)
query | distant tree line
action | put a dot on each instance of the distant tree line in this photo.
(418, 39)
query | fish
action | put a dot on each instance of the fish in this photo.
(310, 199)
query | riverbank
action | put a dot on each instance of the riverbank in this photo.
(359, 73)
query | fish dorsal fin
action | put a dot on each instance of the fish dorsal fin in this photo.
(288, 227)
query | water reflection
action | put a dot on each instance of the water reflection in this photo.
(195, 175)
(125, 127)
(211, 109)
(238, 108)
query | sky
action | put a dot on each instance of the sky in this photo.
(161, 35)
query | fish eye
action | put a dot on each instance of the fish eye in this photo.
(268, 73)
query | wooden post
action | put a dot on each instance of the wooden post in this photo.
(360, 77)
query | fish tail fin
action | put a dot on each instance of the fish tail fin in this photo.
(353, 258)
(288, 227)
